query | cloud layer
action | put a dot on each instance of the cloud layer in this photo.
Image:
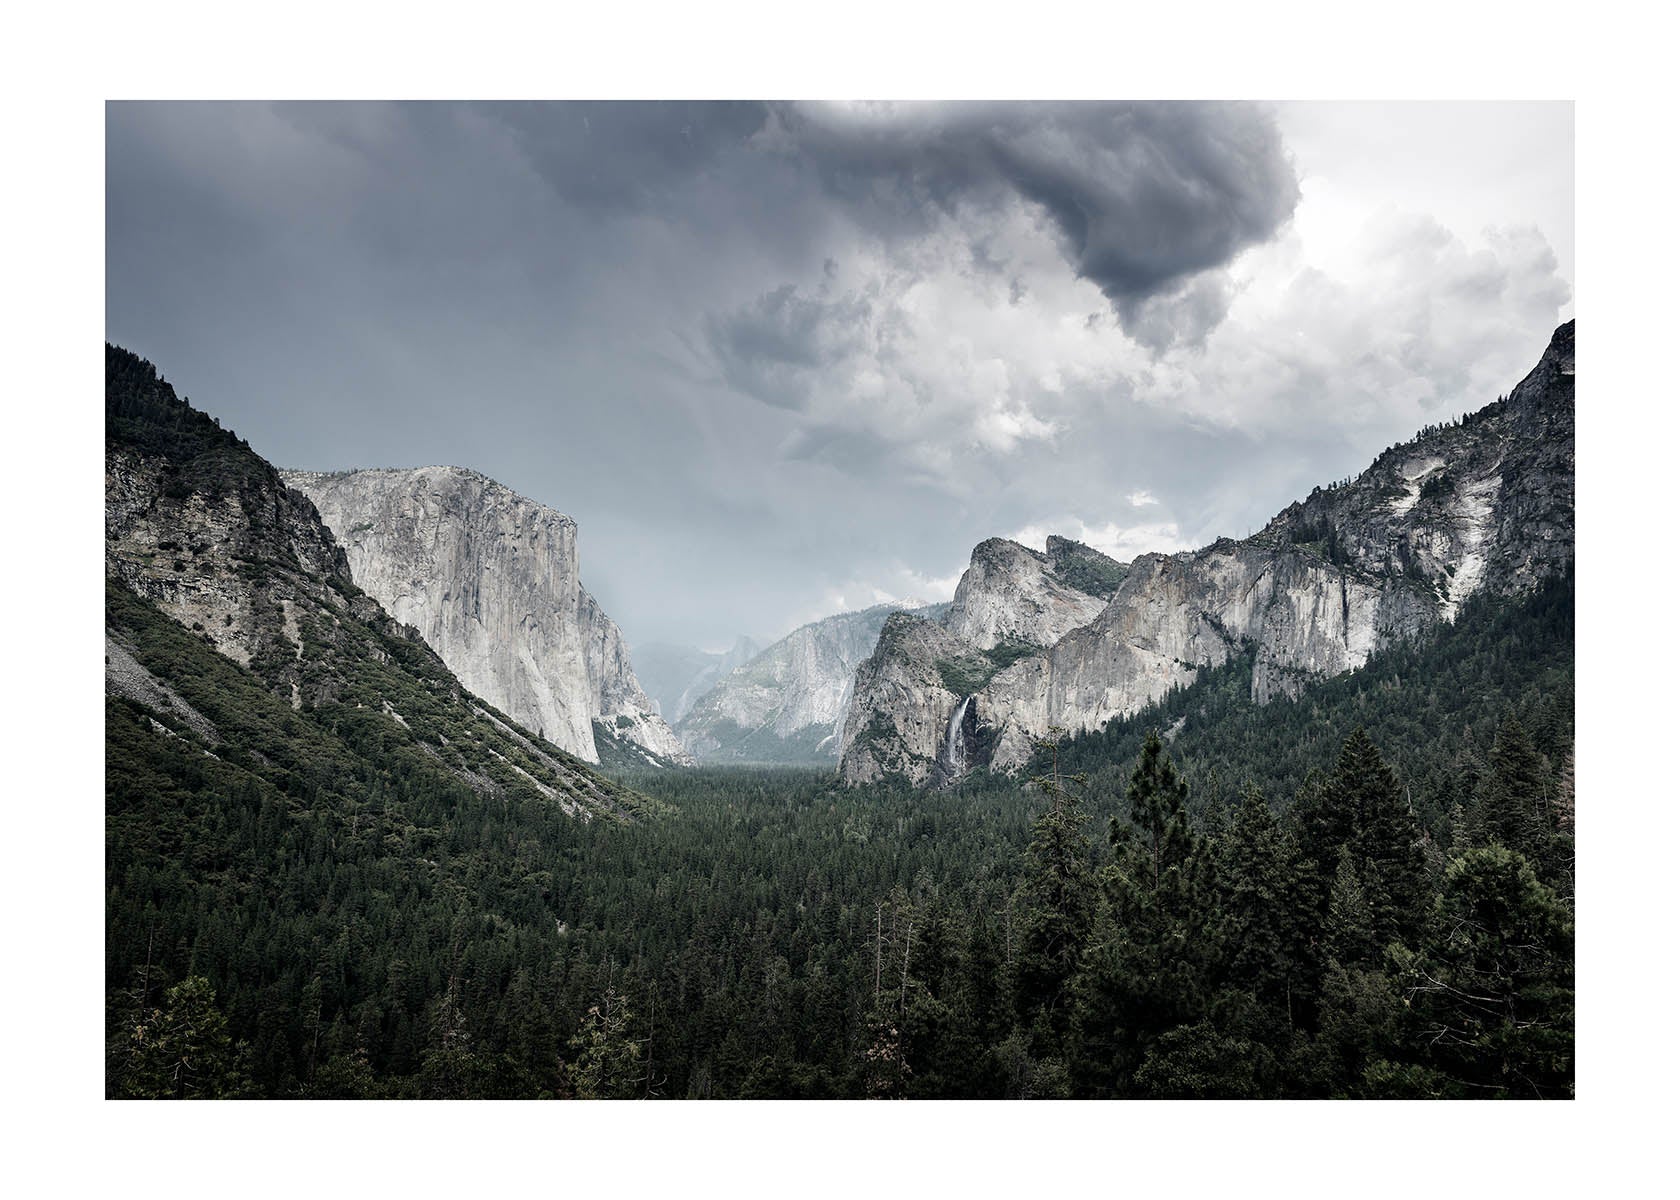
(773, 356)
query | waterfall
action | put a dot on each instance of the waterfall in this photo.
(954, 747)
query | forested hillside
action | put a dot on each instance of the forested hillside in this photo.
(1365, 892)
(289, 771)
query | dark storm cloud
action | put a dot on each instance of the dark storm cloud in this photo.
(1182, 317)
(614, 156)
(1143, 195)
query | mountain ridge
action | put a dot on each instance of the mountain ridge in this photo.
(1482, 503)
(203, 532)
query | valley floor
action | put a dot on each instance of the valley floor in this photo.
(1291, 908)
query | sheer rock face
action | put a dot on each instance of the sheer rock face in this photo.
(795, 692)
(1483, 505)
(1177, 614)
(1014, 594)
(900, 714)
(207, 531)
(490, 579)
(1489, 503)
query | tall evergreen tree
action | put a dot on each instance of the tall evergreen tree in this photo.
(1516, 809)
(1266, 924)
(1492, 996)
(607, 1060)
(1155, 802)
(1058, 898)
(1149, 968)
(181, 1051)
(1362, 809)
(1349, 927)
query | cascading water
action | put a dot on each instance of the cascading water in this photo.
(955, 748)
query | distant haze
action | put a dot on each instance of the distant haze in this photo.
(783, 360)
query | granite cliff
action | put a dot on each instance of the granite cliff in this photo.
(1485, 503)
(1011, 593)
(202, 531)
(490, 579)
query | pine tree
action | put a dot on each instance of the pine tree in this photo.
(1155, 799)
(1492, 995)
(1265, 929)
(608, 1062)
(886, 1074)
(1394, 869)
(1349, 926)
(1150, 965)
(1564, 801)
(1515, 809)
(451, 1067)
(181, 1051)
(1553, 734)
(1058, 897)
(1361, 808)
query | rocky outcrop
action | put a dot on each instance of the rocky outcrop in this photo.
(901, 717)
(1011, 601)
(126, 677)
(1488, 502)
(1177, 614)
(1011, 593)
(490, 579)
(788, 703)
(205, 532)
(1484, 504)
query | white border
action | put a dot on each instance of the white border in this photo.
(64, 61)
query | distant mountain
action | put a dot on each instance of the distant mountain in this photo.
(490, 579)
(1483, 505)
(786, 704)
(676, 676)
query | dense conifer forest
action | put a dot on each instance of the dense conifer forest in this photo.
(1363, 892)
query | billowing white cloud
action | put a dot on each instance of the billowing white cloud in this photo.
(1414, 323)
(911, 358)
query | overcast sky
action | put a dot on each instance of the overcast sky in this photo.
(783, 360)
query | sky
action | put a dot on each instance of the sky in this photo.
(783, 360)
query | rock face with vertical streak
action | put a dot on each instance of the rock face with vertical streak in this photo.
(1178, 613)
(490, 579)
(1485, 504)
(900, 716)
